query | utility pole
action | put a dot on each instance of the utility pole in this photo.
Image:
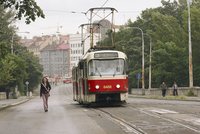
(150, 56)
(190, 46)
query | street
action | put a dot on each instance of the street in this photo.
(65, 116)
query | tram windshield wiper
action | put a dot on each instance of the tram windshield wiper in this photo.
(98, 71)
(114, 73)
(116, 70)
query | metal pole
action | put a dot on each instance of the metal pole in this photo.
(150, 56)
(27, 90)
(143, 86)
(190, 48)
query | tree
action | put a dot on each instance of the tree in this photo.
(20, 66)
(195, 31)
(6, 18)
(24, 8)
(7, 66)
(31, 67)
(169, 52)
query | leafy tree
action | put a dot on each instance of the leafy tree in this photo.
(6, 18)
(31, 68)
(15, 68)
(167, 26)
(195, 32)
(7, 67)
(34, 70)
(26, 8)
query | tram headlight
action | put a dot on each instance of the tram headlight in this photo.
(117, 86)
(97, 86)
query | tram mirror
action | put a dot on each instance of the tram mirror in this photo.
(81, 65)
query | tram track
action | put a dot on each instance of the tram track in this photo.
(174, 121)
(130, 127)
(127, 126)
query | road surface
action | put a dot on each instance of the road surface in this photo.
(138, 116)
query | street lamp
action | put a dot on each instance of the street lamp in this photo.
(143, 87)
(190, 46)
(12, 40)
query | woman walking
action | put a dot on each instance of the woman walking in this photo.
(44, 92)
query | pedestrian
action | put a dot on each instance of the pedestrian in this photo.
(163, 87)
(175, 89)
(45, 92)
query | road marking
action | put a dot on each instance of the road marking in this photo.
(169, 120)
(85, 110)
(189, 118)
(163, 111)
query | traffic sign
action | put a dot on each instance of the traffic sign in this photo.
(138, 76)
(26, 82)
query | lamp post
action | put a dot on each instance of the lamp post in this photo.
(12, 40)
(190, 46)
(142, 33)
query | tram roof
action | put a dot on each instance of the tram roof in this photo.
(91, 55)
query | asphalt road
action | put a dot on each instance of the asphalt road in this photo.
(64, 117)
(146, 116)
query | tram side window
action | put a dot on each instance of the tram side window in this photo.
(91, 68)
(85, 70)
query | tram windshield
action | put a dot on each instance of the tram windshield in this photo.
(106, 67)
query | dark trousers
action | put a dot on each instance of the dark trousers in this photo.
(163, 92)
(175, 92)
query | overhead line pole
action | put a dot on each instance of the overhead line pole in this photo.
(190, 47)
(142, 33)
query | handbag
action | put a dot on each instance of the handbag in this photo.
(48, 94)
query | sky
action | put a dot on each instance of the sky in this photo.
(65, 16)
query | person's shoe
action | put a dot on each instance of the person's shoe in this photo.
(46, 110)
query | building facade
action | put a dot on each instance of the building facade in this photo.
(78, 47)
(55, 60)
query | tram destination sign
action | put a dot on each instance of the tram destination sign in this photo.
(106, 55)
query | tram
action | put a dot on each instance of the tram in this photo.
(101, 76)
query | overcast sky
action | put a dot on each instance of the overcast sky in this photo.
(59, 14)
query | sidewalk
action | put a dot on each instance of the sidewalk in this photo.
(179, 98)
(13, 102)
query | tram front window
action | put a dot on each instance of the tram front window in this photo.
(106, 67)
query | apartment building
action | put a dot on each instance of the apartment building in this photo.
(77, 50)
(55, 60)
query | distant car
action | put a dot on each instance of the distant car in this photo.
(67, 80)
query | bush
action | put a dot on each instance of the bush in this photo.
(190, 93)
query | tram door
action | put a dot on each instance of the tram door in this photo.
(85, 89)
(80, 82)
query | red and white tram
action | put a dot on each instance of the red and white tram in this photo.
(101, 76)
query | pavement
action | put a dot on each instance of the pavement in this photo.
(13, 102)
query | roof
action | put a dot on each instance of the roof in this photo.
(63, 47)
(56, 47)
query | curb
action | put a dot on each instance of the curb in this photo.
(14, 104)
(147, 97)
